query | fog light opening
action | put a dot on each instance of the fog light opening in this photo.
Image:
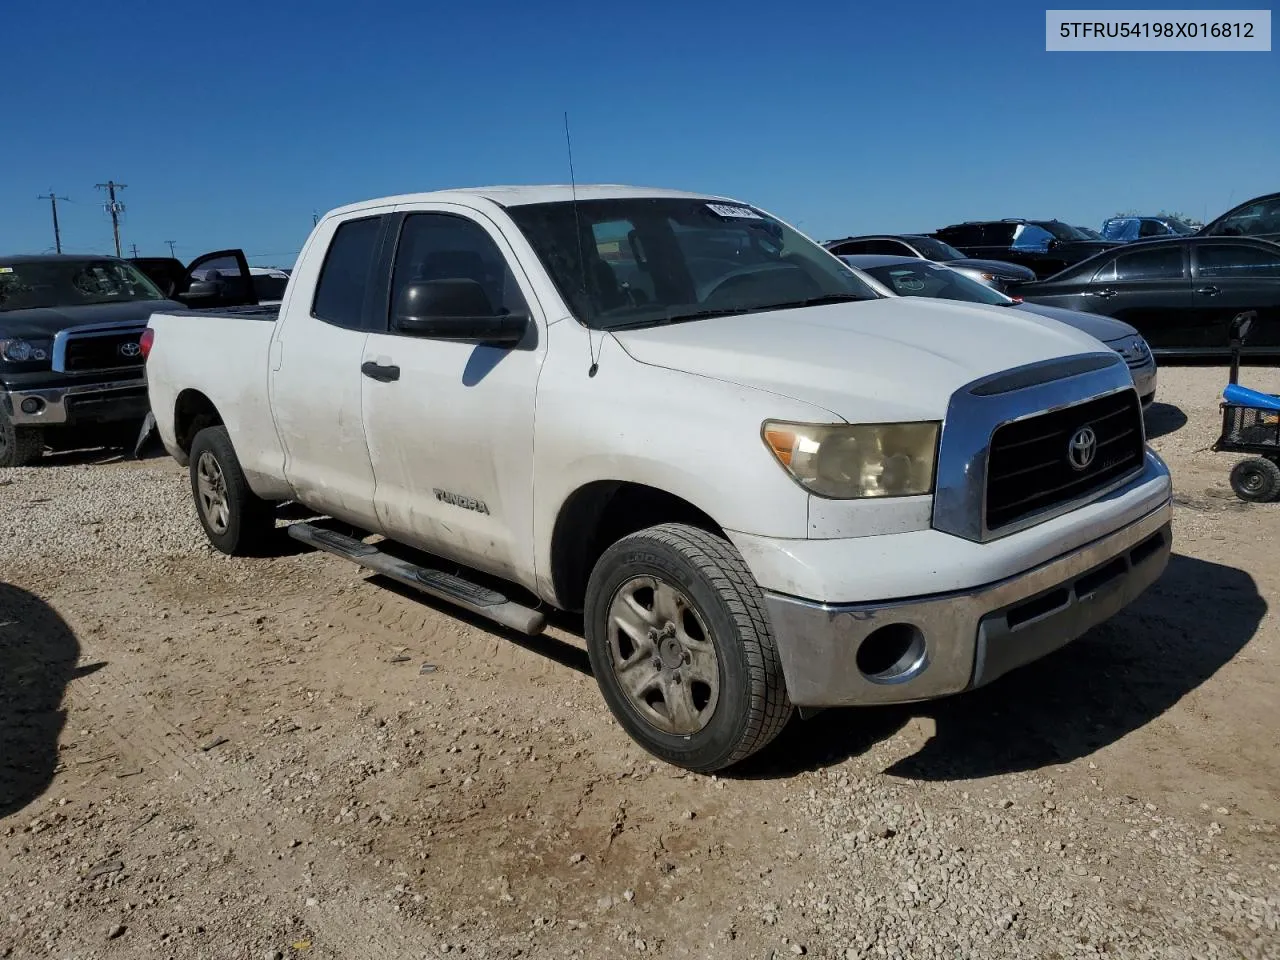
(893, 653)
(32, 405)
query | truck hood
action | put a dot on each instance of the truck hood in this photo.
(886, 360)
(1095, 324)
(47, 321)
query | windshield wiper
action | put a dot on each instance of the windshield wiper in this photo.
(674, 317)
(810, 302)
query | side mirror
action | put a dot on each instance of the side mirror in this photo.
(201, 292)
(456, 309)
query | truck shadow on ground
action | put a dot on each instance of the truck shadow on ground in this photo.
(38, 656)
(1163, 419)
(1112, 681)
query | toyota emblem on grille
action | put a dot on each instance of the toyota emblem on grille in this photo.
(1083, 448)
(129, 348)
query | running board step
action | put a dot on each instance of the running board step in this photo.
(457, 590)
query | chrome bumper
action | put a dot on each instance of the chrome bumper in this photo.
(967, 638)
(52, 401)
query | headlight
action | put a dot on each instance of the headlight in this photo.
(25, 351)
(849, 461)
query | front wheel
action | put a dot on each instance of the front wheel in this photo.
(682, 650)
(236, 520)
(19, 446)
(1256, 480)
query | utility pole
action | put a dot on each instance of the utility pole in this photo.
(113, 207)
(315, 218)
(171, 244)
(53, 199)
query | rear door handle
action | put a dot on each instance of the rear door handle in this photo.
(376, 371)
(1104, 292)
(1209, 291)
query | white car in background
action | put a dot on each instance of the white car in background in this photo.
(912, 277)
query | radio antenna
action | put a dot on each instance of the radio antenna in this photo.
(582, 257)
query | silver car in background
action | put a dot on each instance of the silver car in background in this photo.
(913, 277)
(997, 274)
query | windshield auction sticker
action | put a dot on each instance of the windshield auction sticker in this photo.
(731, 212)
(1147, 31)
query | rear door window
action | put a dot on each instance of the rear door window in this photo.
(1227, 261)
(344, 277)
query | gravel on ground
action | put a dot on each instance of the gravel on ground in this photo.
(283, 757)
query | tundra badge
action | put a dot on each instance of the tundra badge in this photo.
(466, 503)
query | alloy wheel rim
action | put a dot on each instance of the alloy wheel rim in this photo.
(662, 656)
(211, 486)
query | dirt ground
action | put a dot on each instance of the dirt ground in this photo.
(207, 757)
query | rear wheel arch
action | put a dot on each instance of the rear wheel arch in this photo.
(192, 412)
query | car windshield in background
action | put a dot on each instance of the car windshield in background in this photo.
(935, 249)
(923, 279)
(1180, 227)
(36, 284)
(659, 260)
(1063, 231)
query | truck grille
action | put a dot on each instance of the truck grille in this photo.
(103, 351)
(1053, 458)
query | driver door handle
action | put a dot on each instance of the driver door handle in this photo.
(1105, 292)
(379, 372)
(1209, 291)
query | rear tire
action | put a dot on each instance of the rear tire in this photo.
(235, 519)
(19, 446)
(1256, 480)
(695, 676)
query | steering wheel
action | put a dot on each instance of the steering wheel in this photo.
(741, 277)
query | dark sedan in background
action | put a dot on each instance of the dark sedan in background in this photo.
(1045, 246)
(1180, 293)
(909, 277)
(998, 274)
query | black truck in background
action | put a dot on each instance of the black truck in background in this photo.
(71, 366)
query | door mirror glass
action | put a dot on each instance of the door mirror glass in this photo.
(455, 309)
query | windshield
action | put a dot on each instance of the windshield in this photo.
(660, 260)
(35, 284)
(1090, 233)
(1180, 226)
(935, 250)
(920, 278)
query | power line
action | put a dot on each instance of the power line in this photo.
(53, 199)
(114, 207)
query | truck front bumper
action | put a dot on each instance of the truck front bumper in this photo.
(921, 647)
(78, 403)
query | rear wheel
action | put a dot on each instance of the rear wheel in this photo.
(236, 520)
(1256, 480)
(682, 650)
(19, 446)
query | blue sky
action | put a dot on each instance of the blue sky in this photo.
(231, 123)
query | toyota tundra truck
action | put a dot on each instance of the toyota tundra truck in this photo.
(71, 368)
(765, 486)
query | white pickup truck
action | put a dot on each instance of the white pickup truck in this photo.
(764, 485)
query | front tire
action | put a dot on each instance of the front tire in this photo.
(1256, 480)
(682, 649)
(235, 519)
(19, 446)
